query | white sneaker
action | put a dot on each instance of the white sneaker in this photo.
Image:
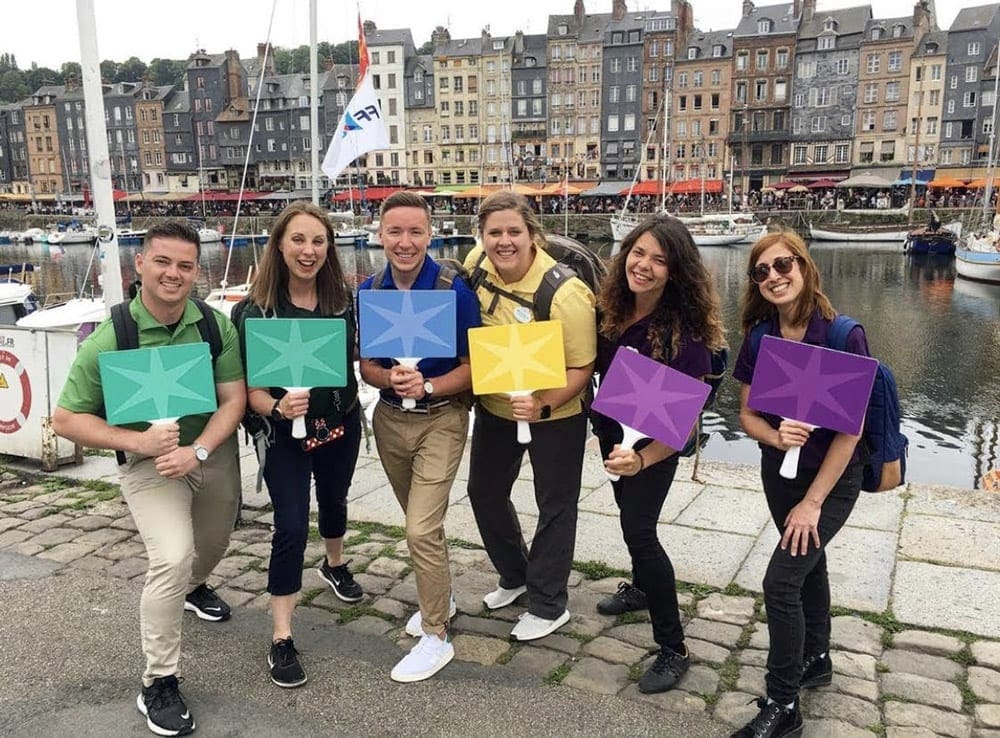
(530, 627)
(501, 597)
(424, 660)
(415, 625)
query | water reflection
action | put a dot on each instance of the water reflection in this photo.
(939, 334)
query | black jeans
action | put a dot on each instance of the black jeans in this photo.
(288, 471)
(796, 588)
(640, 500)
(556, 453)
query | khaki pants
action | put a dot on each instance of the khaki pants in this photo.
(185, 525)
(420, 454)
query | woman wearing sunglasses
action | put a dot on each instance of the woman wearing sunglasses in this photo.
(660, 300)
(784, 293)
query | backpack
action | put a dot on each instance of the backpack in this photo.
(127, 335)
(885, 446)
(573, 259)
(717, 372)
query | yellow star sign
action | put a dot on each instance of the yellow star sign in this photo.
(517, 357)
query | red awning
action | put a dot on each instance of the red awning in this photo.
(785, 184)
(822, 184)
(647, 187)
(696, 186)
(116, 195)
(218, 196)
(370, 193)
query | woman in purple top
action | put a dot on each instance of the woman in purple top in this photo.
(659, 299)
(784, 293)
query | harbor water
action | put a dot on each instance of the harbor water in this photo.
(940, 335)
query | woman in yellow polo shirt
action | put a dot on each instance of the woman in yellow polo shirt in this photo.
(513, 241)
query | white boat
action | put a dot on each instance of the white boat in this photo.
(209, 235)
(982, 266)
(871, 234)
(31, 235)
(17, 299)
(84, 234)
(129, 237)
(73, 314)
(347, 235)
(702, 238)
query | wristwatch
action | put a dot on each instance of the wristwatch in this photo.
(428, 388)
(275, 412)
(200, 452)
(545, 412)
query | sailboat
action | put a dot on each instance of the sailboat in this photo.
(978, 254)
(707, 229)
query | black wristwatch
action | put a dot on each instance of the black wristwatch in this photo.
(275, 412)
(545, 412)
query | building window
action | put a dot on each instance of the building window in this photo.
(970, 74)
(843, 66)
(895, 62)
(741, 60)
(874, 61)
(764, 26)
(889, 120)
(892, 91)
(820, 154)
(842, 153)
(974, 48)
(826, 42)
(871, 92)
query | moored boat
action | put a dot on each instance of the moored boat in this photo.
(982, 266)
(925, 240)
(870, 234)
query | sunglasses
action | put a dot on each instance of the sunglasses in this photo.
(782, 265)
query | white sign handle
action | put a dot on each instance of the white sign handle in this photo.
(163, 421)
(629, 438)
(299, 423)
(410, 363)
(790, 464)
(523, 428)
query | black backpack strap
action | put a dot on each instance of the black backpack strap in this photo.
(208, 326)
(126, 338)
(478, 275)
(446, 277)
(558, 275)
(126, 329)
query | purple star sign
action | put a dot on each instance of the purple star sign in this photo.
(650, 397)
(812, 384)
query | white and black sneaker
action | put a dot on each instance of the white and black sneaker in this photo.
(341, 581)
(164, 708)
(206, 604)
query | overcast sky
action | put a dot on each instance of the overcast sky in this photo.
(44, 31)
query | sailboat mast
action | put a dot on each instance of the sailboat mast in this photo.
(916, 152)
(313, 104)
(665, 147)
(99, 159)
(990, 168)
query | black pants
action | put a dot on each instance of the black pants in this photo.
(556, 453)
(288, 471)
(640, 500)
(796, 588)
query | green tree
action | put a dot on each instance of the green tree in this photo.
(38, 76)
(7, 62)
(71, 71)
(108, 70)
(12, 86)
(427, 48)
(167, 71)
(345, 53)
(132, 69)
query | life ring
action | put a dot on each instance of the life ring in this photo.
(13, 425)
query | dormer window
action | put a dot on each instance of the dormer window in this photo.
(692, 52)
(897, 30)
(563, 29)
(830, 24)
(931, 48)
(717, 50)
(529, 61)
(827, 42)
(498, 45)
(418, 75)
(876, 34)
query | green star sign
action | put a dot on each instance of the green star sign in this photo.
(157, 383)
(296, 352)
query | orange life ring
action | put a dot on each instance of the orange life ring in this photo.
(15, 424)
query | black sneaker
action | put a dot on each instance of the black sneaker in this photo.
(341, 581)
(817, 671)
(206, 604)
(164, 708)
(626, 599)
(665, 672)
(283, 660)
(773, 721)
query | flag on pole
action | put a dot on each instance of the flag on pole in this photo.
(361, 127)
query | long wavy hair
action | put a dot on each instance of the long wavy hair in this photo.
(507, 200)
(689, 302)
(754, 308)
(272, 274)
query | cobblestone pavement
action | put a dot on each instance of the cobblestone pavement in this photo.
(891, 679)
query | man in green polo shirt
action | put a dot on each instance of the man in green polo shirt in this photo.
(181, 480)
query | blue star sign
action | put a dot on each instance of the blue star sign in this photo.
(398, 324)
(296, 352)
(143, 385)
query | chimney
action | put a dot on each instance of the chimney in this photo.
(328, 64)
(439, 37)
(369, 27)
(748, 7)
(685, 18)
(618, 10)
(579, 13)
(232, 75)
(268, 63)
(923, 16)
(808, 10)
